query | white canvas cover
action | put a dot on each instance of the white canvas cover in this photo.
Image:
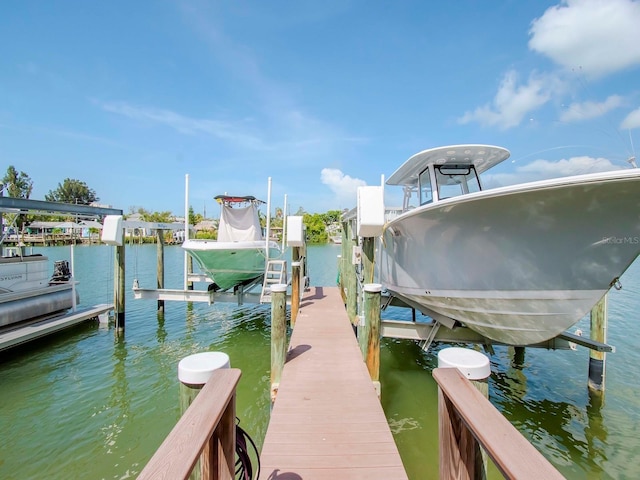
(239, 224)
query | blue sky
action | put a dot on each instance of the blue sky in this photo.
(321, 96)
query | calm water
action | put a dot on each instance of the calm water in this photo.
(82, 405)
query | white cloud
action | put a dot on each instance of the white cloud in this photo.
(566, 167)
(587, 110)
(632, 120)
(544, 169)
(512, 101)
(597, 36)
(344, 186)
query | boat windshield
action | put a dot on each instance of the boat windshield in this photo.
(455, 180)
(426, 193)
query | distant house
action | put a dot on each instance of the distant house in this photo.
(206, 225)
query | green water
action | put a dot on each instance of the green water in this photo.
(82, 405)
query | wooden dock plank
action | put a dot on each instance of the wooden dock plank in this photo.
(327, 421)
(18, 334)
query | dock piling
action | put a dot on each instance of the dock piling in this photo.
(463, 448)
(372, 294)
(597, 360)
(350, 274)
(295, 291)
(119, 276)
(160, 265)
(278, 335)
(193, 373)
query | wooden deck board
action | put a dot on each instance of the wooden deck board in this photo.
(327, 421)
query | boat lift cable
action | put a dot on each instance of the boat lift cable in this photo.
(244, 467)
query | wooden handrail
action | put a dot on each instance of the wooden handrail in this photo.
(207, 427)
(467, 419)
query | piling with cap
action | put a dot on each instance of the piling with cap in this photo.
(195, 370)
(475, 367)
(471, 363)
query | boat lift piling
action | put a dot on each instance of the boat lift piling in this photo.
(160, 265)
(597, 359)
(371, 337)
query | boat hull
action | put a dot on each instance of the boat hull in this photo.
(517, 264)
(231, 263)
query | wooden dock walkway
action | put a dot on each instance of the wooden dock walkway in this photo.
(327, 421)
(25, 332)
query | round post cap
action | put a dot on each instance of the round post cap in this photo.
(196, 369)
(472, 364)
(372, 287)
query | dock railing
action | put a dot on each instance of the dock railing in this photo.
(206, 431)
(468, 421)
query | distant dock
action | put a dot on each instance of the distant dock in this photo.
(327, 421)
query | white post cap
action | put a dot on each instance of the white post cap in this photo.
(472, 364)
(372, 287)
(278, 288)
(197, 368)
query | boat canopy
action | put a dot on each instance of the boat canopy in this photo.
(482, 157)
(239, 224)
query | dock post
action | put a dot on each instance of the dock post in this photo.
(372, 293)
(597, 360)
(119, 275)
(368, 261)
(160, 265)
(278, 335)
(343, 262)
(351, 280)
(193, 372)
(295, 291)
(459, 450)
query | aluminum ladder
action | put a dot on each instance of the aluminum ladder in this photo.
(276, 272)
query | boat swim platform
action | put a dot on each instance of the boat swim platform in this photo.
(14, 335)
(327, 421)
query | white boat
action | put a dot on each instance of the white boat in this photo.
(239, 255)
(518, 264)
(26, 290)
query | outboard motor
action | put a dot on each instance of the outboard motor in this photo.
(61, 272)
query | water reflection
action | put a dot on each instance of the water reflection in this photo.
(161, 331)
(571, 436)
(119, 400)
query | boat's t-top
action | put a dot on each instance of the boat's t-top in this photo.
(231, 200)
(444, 172)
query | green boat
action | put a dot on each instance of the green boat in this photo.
(239, 255)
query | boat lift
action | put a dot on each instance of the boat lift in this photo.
(258, 291)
